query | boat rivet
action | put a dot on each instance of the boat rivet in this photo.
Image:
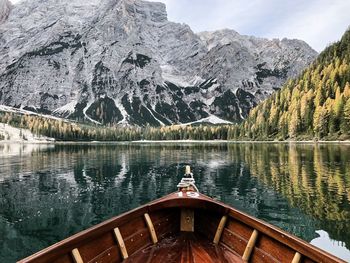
(109, 254)
(132, 240)
(141, 234)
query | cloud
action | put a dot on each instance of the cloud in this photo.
(318, 22)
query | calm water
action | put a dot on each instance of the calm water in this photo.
(49, 192)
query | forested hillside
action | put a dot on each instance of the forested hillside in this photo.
(63, 130)
(314, 106)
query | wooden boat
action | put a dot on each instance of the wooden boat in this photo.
(185, 226)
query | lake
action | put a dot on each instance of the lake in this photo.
(49, 192)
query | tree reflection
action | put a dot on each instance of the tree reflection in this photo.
(313, 178)
(47, 194)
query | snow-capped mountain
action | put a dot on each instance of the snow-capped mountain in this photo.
(122, 61)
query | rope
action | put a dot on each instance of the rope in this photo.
(187, 182)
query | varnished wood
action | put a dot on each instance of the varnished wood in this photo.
(151, 228)
(187, 220)
(297, 257)
(98, 244)
(76, 256)
(121, 243)
(220, 229)
(250, 246)
(276, 249)
(186, 247)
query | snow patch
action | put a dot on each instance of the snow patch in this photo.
(22, 111)
(240, 111)
(84, 112)
(122, 111)
(209, 101)
(66, 109)
(13, 134)
(211, 119)
(160, 122)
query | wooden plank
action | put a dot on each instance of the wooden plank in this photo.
(166, 228)
(186, 254)
(187, 220)
(297, 257)
(275, 249)
(239, 228)
(139, 240)
(206, 223)
(98, 245)
(233, 241)
(229, 255)
(166, 221)
(219, 230)
(121, 244)
(260, 256)
(76, 256)
(151, 229)
(110, 255)
(251, 243)
(295, 243)
(134, 225)
(307, 260)
(65, 258)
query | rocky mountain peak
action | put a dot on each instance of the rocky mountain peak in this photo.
(122, 61)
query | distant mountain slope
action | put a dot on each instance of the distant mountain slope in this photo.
(314, 105)
(122, 61)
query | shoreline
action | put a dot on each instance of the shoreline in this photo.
(173, 141)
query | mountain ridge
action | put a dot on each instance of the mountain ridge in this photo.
(124, 62)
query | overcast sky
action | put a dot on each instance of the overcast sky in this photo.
(318, 22)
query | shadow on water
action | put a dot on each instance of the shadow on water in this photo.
(50, 192)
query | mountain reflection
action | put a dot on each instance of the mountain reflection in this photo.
(49, 193)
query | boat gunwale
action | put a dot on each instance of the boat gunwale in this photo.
(173, 200)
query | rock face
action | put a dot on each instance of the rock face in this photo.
(122, 61)
(5, 9)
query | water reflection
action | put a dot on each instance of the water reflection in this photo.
(49, 193)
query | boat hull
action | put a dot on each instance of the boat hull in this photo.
(183, 227)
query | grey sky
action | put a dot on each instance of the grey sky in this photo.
(318, 22)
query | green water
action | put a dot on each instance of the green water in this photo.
(49, 192)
